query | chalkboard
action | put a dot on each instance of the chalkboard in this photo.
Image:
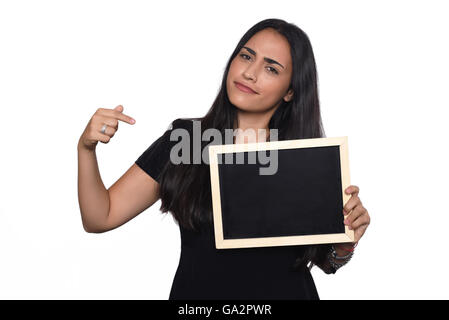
(277, 193)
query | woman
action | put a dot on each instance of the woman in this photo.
(270, 82)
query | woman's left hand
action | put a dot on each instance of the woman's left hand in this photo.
(359, 219)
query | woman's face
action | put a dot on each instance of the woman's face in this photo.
(269, 78)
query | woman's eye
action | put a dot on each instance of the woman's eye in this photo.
(273, 70)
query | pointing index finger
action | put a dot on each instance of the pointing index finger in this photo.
(124, 117)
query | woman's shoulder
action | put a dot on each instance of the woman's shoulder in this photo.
(184, 123)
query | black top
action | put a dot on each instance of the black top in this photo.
(205, 272)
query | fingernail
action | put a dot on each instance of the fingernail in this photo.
(133, 121)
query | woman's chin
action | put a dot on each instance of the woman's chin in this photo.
(242, 104)
(245, 108)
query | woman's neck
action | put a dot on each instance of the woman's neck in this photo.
(255, 125)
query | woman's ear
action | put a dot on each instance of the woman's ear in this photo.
(288, 96)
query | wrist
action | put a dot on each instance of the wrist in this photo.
(82, 147)
(346, 246)
(343, 249)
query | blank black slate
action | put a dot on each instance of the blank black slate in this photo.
(303, 197)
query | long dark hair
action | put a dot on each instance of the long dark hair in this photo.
(185, 188)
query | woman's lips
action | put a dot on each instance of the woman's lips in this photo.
(244, 88)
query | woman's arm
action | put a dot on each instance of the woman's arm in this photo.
(106, 209)
(93, 198)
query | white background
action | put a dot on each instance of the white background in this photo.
(383, 79)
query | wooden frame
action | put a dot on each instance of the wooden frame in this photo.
(215, 150)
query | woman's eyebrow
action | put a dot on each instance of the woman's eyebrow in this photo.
(265, 58)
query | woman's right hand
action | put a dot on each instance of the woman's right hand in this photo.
(92, 134)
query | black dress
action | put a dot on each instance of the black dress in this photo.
(205, 272)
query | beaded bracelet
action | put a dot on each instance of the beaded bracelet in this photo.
(336, 261)
(337, 257)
